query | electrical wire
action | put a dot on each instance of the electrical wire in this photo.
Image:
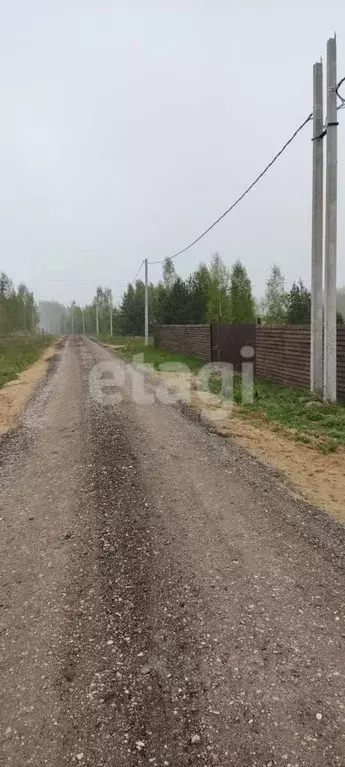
(342, 105)
(133, 281)
(251, 186)
(246, 191)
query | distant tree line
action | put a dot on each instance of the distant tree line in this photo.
(292, 307)
(213, 294)
(209, 294)
(18, 311)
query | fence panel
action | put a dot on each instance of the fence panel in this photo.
(270, 352)
(282, 352)
(228, 340)
(193, 340)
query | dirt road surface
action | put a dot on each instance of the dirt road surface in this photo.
(165, 600)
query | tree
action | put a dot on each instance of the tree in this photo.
(102, 300)
(242, 305)
(132, 310)
(169, 273)
(298, 304)
(6, 286)
(198, 288)
(275, 298)
(218, 305)
(18, 311)
(157, 299)
(177, 305)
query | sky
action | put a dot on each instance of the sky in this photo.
(128, 127)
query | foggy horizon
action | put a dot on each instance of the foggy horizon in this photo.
(127, 130)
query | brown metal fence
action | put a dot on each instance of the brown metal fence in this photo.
(282, 352)
(227, 342)
(193, 340)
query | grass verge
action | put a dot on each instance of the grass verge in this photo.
(130, 346)
(17, 353)
(296, 412)
(292, 411)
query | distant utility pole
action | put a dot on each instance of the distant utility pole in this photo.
(330, 308)
(72, 319)
(65, 319)
(97, 326)
(82, 314)
(111, 312)
(146, 303)
(24, 315)
(316, 382)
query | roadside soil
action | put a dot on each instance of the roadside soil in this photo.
(15, 394)
(318, 477)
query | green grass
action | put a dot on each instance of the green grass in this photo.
(321, 425)
(18, 353)
(284, 408)
(134, 345)
(116, 340)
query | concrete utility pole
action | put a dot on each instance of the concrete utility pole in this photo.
(111, 312)
(72, 319)
(97, 326)
(316, 382)
(330, 307)
(24, 315)
(146, 304)
(83, 317)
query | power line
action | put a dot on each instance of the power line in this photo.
(248, 189)
(342, 105)
(256, 180)
(133, 281)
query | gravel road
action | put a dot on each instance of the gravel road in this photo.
(165, 599)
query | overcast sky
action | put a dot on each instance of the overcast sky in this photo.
(127, 127)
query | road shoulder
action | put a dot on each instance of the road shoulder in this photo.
(15, 395)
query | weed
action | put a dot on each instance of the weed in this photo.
(294, 411)
(131, 346)
(18, 352)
